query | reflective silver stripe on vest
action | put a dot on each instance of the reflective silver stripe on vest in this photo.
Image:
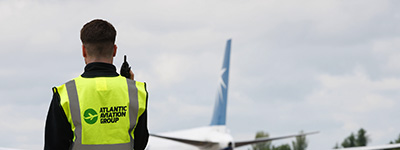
(74, 110)
(133, 105)
(76, 118)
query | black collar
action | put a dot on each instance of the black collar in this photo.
(99, 69)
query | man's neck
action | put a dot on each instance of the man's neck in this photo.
(103, 60)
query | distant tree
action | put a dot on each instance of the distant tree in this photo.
(336, 146)
(282, 147)
(394, 142)
(263, 145)
(349, 141)
(300, 143)
(361, 139)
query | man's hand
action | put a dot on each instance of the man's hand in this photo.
(132, 75)
(126, 70)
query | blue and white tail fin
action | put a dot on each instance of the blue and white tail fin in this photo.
(219, 115)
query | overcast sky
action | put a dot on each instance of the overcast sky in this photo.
(331, 65)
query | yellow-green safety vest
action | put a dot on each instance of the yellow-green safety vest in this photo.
(103, 111)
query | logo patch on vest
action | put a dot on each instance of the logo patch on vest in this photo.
(90, 116)
(112, 114)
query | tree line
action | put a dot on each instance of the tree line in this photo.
(300, 143)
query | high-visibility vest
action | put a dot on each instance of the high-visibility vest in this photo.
(103, 111)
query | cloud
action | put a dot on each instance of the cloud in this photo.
(356, 101)
(355, 93)
(386, 51)
(22, 125)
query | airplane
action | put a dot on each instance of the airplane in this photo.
(91, 116)
(216, 136)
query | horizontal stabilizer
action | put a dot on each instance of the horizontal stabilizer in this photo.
(243, 143)
(200, 144)
(2, 148)
(380, 147)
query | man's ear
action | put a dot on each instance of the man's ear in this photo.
(84, 53)
(115, 50)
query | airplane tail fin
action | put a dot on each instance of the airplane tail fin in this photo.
(219, 115)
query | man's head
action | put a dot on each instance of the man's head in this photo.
(98, 41)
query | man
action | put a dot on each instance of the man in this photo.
(99, 109)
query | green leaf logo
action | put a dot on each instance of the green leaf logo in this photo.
(90, 116)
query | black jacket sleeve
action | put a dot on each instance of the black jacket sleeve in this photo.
(58, 133)
(141, 132)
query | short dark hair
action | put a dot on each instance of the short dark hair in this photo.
(98, 37)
